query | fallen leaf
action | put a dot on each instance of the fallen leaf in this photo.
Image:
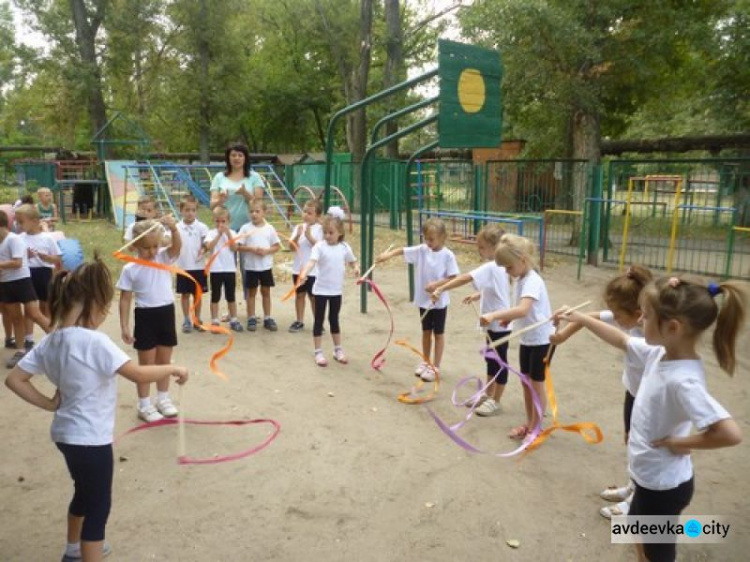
(429, 504)
(513, 543)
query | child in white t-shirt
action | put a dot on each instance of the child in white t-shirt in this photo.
(516, 255)
(493, 285)
(220, 246)
(330, 256)
(258, 242)
(82, 363)
(192, 260)
(146, 210)
(154, 335)
(672, 397)
(622, 297)
(435, 264)
(305, 235)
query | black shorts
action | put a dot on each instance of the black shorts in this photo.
(502, 351)
(185, 286)
(531, 358)
(262, 278)
(40, 278)
(18, 291)
(434, 320)
(306, 287)
(661, 502)
(226, 279)
(154, 327)
(627, 410)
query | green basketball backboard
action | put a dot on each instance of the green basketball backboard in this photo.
(470, 100)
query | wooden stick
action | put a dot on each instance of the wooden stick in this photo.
(181, 424)
(141, 235)
(515, 334)
(366, 273)
(426, 311)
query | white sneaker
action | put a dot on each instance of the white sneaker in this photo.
(166, 408)
(420, 369)
(621, 508)
(488, 408)
(428, 375)
(149, 414)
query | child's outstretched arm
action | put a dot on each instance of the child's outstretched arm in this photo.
(385, 256)
(19, 381)
(613, 336)
(152, 373)
(571, 328)
(448, 284)
(507, 315)
(305, 270)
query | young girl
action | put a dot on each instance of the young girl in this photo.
(331, 256)
(223, 271)
(516, 255)
(621, 296)
(491, 280)
(436, 264)
(154, 335)
(305, 235)
(82, 364)
(46, 208)
(672, 396)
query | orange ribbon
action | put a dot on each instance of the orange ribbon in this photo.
(413, 397)
(591, 432)
(198, 296)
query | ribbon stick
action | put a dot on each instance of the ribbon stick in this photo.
(141, 235)
(501, 341)
(372, 267)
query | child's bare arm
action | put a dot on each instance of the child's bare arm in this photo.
(152, 373)
(19, 381)
(724, 433)
(385, 256)
(126, 297)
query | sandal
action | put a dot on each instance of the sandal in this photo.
(320, 360)
(340, 356)
(610, 511)
(519, 433)
(616, 494)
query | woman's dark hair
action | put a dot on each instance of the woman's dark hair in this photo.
(237, 147)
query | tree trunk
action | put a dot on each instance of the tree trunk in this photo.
(204, 103)
(394, 65)
(586, 135)
(87, 26)
(357, 121)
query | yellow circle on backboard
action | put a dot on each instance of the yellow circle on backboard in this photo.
(471, 90)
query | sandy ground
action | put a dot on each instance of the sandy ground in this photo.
(355, 475)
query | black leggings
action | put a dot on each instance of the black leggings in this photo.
(321, 301)
(91, 469)
(661, 502)
(502, 350)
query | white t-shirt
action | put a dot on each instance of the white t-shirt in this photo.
(224, 262)
(671, 399)
(431, 266)
(302, 255)
(192, 236)
(532, 286)
(129, 232)
(263, 236)
(493, 283)
(44, 244)
(633, 368)
(13, 247)
(83, 365)
(151, 287)
(331, 264)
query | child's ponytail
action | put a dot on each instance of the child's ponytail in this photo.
(88, 285)
(728, 323)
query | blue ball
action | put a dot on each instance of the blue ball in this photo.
(72, 253)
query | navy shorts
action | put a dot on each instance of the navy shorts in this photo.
(226, 279)
(306, 287)
(434, 320)
(40, 278)
(18, 291)
(262, 278)
(154, 327)
(185, 286)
